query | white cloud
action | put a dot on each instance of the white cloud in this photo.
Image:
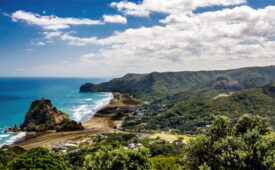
(220, 39)
(130, 8)
(168, 6)
(50, 35)
(56, 23)
(39, 43)
(114, 19)
(51, 22)
(72, 40)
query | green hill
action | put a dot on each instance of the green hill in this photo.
(192, 115)
(203, 83)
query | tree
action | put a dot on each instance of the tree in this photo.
(8, 153)
(38, 158)
(232, 147)
(118, 159)
(166, 163)
(247, 123)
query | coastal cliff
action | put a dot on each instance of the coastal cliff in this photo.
(43, 116)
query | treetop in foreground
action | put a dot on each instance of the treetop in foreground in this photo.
(242, 146)
(38, 158)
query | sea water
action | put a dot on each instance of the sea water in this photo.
(17, 94)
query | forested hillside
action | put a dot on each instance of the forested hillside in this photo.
(205, 84)
(193, 115)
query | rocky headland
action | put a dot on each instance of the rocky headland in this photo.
(42, 116)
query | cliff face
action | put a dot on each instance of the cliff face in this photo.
(43, 116)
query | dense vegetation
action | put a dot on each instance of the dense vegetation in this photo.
(193, 115)
(202, 83)
(232, 147)
(223, 146)
(38, 158)
(9, 153)
(120, 159)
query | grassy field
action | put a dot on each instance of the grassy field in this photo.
(271, 135)
(170, 137)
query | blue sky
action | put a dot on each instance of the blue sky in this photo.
(106, 38)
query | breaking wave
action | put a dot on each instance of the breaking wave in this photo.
(15, 137)
(87, 111)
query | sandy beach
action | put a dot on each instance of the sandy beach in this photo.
(104, 121)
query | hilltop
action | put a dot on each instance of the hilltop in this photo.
(205, 84)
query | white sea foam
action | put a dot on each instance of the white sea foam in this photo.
(86, 111)
(80, 111)
(4, 135)
(89, 99)
(14, 138)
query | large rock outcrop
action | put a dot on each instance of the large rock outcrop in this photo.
(43, 116)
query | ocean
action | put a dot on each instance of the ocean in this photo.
(17, 94)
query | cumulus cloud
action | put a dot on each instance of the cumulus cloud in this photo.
(56, 23)
(51, 22)
(144, 8)
(114, 19)
(50, 35)
(226, 38)
(231, 35)
(72, 40)
(130, 8)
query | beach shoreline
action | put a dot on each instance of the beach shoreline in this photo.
(104, 121)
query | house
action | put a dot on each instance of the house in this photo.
(63, 152)
(68, 145)
(143, 124)
(93, 136)
(90, 142)
(131, 145)
(76, 150)
(139, 145)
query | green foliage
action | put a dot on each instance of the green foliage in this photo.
(166, 148)
(118, 159)
(115, 140)
(193, 116)
(130, 100)
(38, 158)
(8, 153)
(76, 159)
(248, 123)
(118, 139)
(207, 84)
(70, 125)
(221, 128)
(167, 162)
(234, 149)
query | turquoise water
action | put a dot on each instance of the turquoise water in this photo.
(16, 95)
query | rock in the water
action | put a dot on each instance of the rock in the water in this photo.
(43, 116)
(14, 128)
